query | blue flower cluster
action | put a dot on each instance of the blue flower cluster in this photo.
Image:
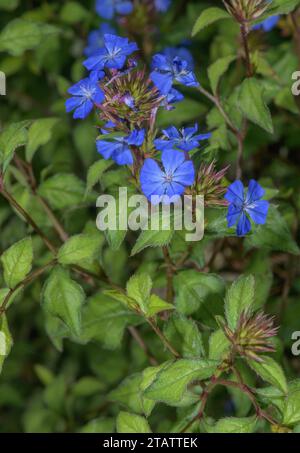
(108, 9)
(115, 84)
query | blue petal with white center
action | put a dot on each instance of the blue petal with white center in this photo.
(96, 39)
(244, 204)
(168, 71)
(168, 183)
(113, 55)
(118, 148)
(85, 94)
(184, 139)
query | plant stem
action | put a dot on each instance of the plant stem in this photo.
(170, 272)
(244, 36)
(136, 335)
(28, 219)
(164, 340)
(35, 274)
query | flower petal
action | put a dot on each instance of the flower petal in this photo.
(243, 226)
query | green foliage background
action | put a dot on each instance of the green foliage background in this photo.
(80, 359)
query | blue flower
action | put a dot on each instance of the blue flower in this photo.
(86, 94)
(118, 148)
(181, 52)
(171, 180)
(171, 98)
(113, 55)
(166, 72)
(108, 8)
(268, 24)
(184, 139)
(96, 39)
(162, 5)
(243, 205)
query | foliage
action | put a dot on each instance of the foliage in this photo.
(142, 331)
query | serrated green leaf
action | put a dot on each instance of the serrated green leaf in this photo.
(184, 335)
(63, 298)
(105, 319)
(208, 17)
(218, 69)
(5, 340)
(170, 383)
(129, 394)
(156, 305)
(80, 248)
(232, 425)
(270, 371)
(291, 407)
(17, 262)
(95, 172)
(62, 190)
(239, 297)
(252, 104)
(132, 423)
(40, 132)
(219, 345)
(151, 238)
(11, 138)
(139, 288)
(194, 288)
(20, 35)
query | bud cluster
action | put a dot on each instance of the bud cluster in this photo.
(246, 10)
(252, 335)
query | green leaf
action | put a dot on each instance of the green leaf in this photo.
(156, 305)
(39, 134)
(95, 172)
(73, 12)
(170, 383)
(251, 103)
(281, 7)
(208, 17)
(5, 340)
(219, 345)
(274, 235)
(139, 288)
(105, 319)
(130, 395)
(99, 425)
(132, 423)
(152, 238)
(193, 289)
(63, 298)
(9, 6)
(232, 425)
(88, 386)
(80, 248)
(20, 35)
(270, 371)
(239, 297)
(218, 69)
(11, 138)
(17, 262)
(184, 335)
(291, 408)
(62, 190)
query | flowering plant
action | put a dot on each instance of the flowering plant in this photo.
(137, 329)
